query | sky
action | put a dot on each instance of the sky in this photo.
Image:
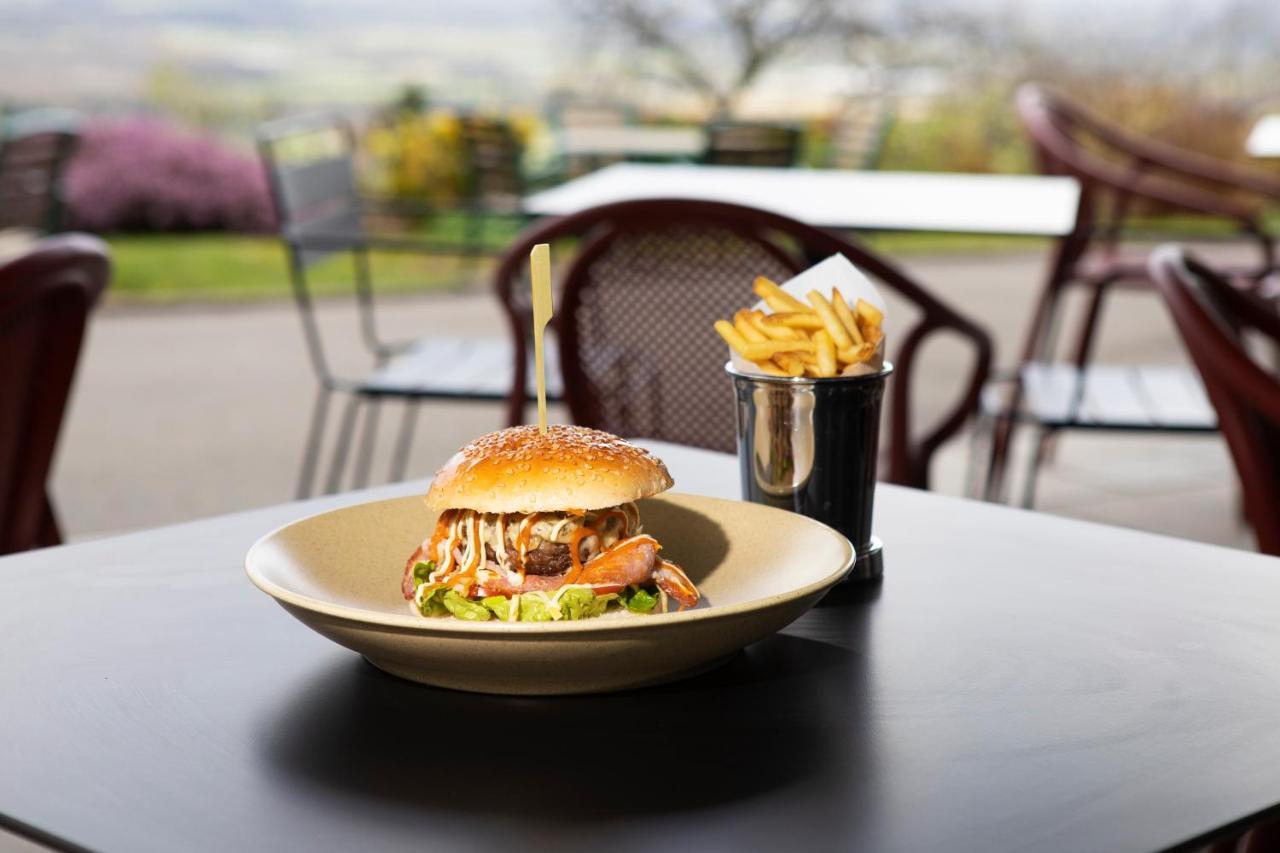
(490, 52)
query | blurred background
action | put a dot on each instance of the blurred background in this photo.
(194, 390)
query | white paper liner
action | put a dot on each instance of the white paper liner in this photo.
(824, 277)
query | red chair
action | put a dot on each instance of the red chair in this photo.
(1216, 319)
(45, 299)
(639, 295)
(1117, 171)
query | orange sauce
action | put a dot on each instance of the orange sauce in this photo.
(522, 538)
(575, 551)
(443, 523)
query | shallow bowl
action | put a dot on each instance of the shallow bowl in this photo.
(758, 569)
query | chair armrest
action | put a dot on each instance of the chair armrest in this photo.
(1189, 198)
(1189, 164)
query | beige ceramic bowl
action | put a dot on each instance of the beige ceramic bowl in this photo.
(758, 569)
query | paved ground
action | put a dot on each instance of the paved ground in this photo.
(187, 412)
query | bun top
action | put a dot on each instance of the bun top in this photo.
(571, 467)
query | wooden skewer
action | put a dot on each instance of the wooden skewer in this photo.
(540, 273)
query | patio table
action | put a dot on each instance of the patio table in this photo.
(1035, 205)
(1018, 682)
(1264, 139)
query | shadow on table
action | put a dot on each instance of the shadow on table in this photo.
(777, 714)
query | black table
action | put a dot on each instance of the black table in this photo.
(1018, 682)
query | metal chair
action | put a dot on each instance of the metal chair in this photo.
(638, 299)
(35, 147)
(45, 298)
(311, 168)
(1117, 171)
(742, 144)
(1215, 319)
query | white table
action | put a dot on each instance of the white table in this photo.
(631, 141)
(1264, 139)
(831, 198)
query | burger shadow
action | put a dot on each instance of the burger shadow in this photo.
(357, 731)
(690, 538)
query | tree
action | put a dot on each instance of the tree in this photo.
(718, 48)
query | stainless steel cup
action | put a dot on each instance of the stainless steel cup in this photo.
(810, 445)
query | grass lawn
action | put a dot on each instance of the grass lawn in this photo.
(203, 267)
(169, 267)
(219, 266)
(230, 267)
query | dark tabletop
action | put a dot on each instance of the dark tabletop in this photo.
(1017, 682)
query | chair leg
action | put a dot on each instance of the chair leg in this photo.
(1083, 354)
(400, 458)
(983, 427)
(1033, 468)
(1040, 342)
(1038, 345)
(311, 454)
(1089, 328)
(369, 433)
(344, 443)
(997, 458)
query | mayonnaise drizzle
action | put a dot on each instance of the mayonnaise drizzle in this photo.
(500, 550)
(463, 548)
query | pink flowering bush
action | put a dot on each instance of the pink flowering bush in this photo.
(144, 175)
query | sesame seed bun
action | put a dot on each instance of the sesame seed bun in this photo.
(571, 467)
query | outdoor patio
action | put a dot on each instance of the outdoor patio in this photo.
(198, 410)
(636, 425)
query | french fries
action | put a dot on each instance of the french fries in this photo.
(870, 313)
(775, 330)
(826, 353)
(845, 315)
(805, 320)
(789, 363)
(768, 349)
(775, 297)
(830, 322)
(742, 322)
(824, 338)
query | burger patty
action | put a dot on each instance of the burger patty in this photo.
(549, 558)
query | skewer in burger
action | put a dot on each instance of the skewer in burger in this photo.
(538, 527)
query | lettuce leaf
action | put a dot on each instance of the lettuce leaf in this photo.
(499, 606)
(573, 604)
(534, 608)
(637, 599)
(465, 608)
(421, 571)
(433, 602)
(580, 603)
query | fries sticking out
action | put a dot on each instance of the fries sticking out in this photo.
(775, 297)
(830, 322)
(845, 316)
(826, 337)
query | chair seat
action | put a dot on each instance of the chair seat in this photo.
(1106, 396)
(459, 368)
(1129, 269)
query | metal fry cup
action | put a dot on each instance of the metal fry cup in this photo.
(810, 446)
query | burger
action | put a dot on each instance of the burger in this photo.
(537, 526)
